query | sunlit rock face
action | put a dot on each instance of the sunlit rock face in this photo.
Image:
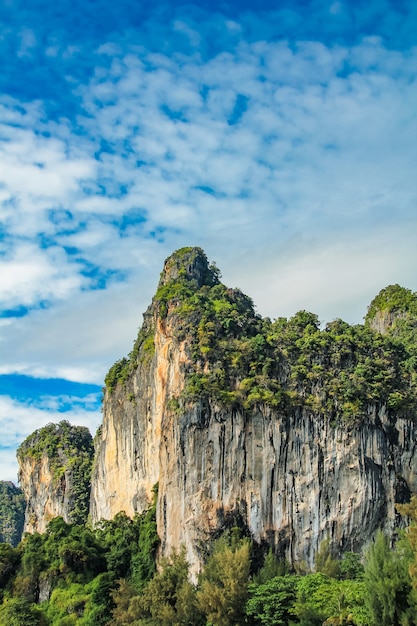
(55, 475)
(45, 496)
(127, 462)
(291, 475)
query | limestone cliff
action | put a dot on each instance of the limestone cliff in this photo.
(127, 464)
(54, 474)
(298, 433)
(12, 513)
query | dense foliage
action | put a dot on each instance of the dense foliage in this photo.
(68, 574)
(107, 576)
(239, 359)
(12, 513)
(70, 452)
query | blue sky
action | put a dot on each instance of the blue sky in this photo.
(280, 137)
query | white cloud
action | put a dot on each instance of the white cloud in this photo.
(31, 275)
(8, 464)
(80, 338)
(193, 36)
(335, 278)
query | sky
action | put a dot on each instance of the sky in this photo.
(281, 137)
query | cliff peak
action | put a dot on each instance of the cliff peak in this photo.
(189, 264)
(392, 306)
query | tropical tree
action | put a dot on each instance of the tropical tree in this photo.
(388, 585)
(224, 583)
(21, 612)
(271, 603)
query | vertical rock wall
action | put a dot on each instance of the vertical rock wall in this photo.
(46, 495)
(295, 480)
(127, 462)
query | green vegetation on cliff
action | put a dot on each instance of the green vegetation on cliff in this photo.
(69, 451)
(239, 359)
(12, 513)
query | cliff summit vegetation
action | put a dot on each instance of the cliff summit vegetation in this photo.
(237, 358)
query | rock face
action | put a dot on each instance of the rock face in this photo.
(127, 463)
(233, 433)
(295, 480)
(54, 474)
(12, 513)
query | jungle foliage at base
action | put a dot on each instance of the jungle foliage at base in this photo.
(239, 359)
(68, 574)
(108, 576)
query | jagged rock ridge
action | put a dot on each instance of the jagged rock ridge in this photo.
(300, 433)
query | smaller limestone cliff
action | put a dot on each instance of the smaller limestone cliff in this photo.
(12, 513)
(55, 473)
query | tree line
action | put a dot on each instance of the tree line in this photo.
(109, 575)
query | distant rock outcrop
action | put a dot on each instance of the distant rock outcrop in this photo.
(12, 513)
(392, 311)
(55, 473)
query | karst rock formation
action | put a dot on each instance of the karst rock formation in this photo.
(294, 432)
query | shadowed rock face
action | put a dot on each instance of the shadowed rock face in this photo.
(295, 479)
(293, 474)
